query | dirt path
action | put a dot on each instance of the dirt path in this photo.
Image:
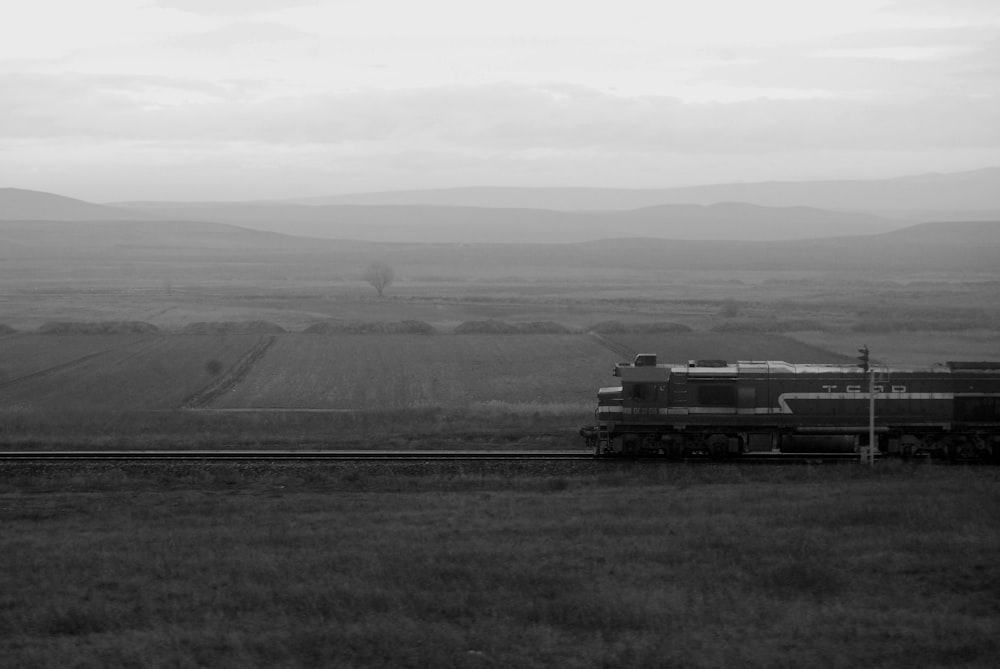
(613, 346)
(231, 377)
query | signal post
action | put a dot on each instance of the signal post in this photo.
(865, 364)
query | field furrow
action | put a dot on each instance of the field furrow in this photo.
(375, 372)
(25, 357)
(147, 373)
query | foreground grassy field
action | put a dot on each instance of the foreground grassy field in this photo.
(607, 566)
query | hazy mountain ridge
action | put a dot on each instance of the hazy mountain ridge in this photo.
(953, 192)
(741, 221)
(449, 223)
(23, 204)
(738, 211)
(972, 247)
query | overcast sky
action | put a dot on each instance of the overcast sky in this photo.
(246, 99)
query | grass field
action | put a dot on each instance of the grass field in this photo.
(611, 566)
(28, 355)
(112, 373)
(378, 372)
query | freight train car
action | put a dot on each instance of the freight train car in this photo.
(713, 408)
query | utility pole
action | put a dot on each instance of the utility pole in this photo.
(871, 417)
(865, 365)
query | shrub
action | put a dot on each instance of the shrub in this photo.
(730, 309)
(492, 326)
(100, 327)
(924, 319)
(234, 327)
(371, 327)
(769, 325)
(617, 327)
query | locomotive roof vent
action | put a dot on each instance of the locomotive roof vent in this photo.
(645, 360)
(707, 363)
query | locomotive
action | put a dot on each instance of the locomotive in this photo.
(713, 408)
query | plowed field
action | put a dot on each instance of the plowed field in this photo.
(113, 373)
(374, 372)
(26, 355)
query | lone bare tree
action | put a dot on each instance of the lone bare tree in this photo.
(380, 275)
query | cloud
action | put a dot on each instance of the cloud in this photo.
(484, 118)
(953, 9)
(553, 90)
(238, 34)
(901, 53)
(232, 7)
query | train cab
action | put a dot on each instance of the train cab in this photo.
(644, 388)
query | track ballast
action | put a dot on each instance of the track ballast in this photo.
(288, 455)
(395, 456)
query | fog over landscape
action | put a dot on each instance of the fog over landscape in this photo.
(281, 146)
(444, 333)
(182, 100)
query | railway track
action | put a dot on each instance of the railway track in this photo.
(289, 456)
(292, 456)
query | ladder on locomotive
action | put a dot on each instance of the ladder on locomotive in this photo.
(678, 390)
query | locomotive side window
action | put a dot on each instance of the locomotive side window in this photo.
(643, 392)
(717, 394)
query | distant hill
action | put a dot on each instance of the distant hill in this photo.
(740, 221)
(948, 233)
(129, 237)
(954, 246)
(954, 192)
(17, 204)
(753, 212)
(36, 245)
(436, 223)
(915, 197)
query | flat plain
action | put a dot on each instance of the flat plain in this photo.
(112, 372)
(363, 372)
(591, 565)
(146, 381)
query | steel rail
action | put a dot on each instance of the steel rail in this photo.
(372, 455)
(287, 455)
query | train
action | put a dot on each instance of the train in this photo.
(720, 409)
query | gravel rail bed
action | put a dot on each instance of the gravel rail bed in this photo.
(264, 468)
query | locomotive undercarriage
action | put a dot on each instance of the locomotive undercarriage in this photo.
(736, 441)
